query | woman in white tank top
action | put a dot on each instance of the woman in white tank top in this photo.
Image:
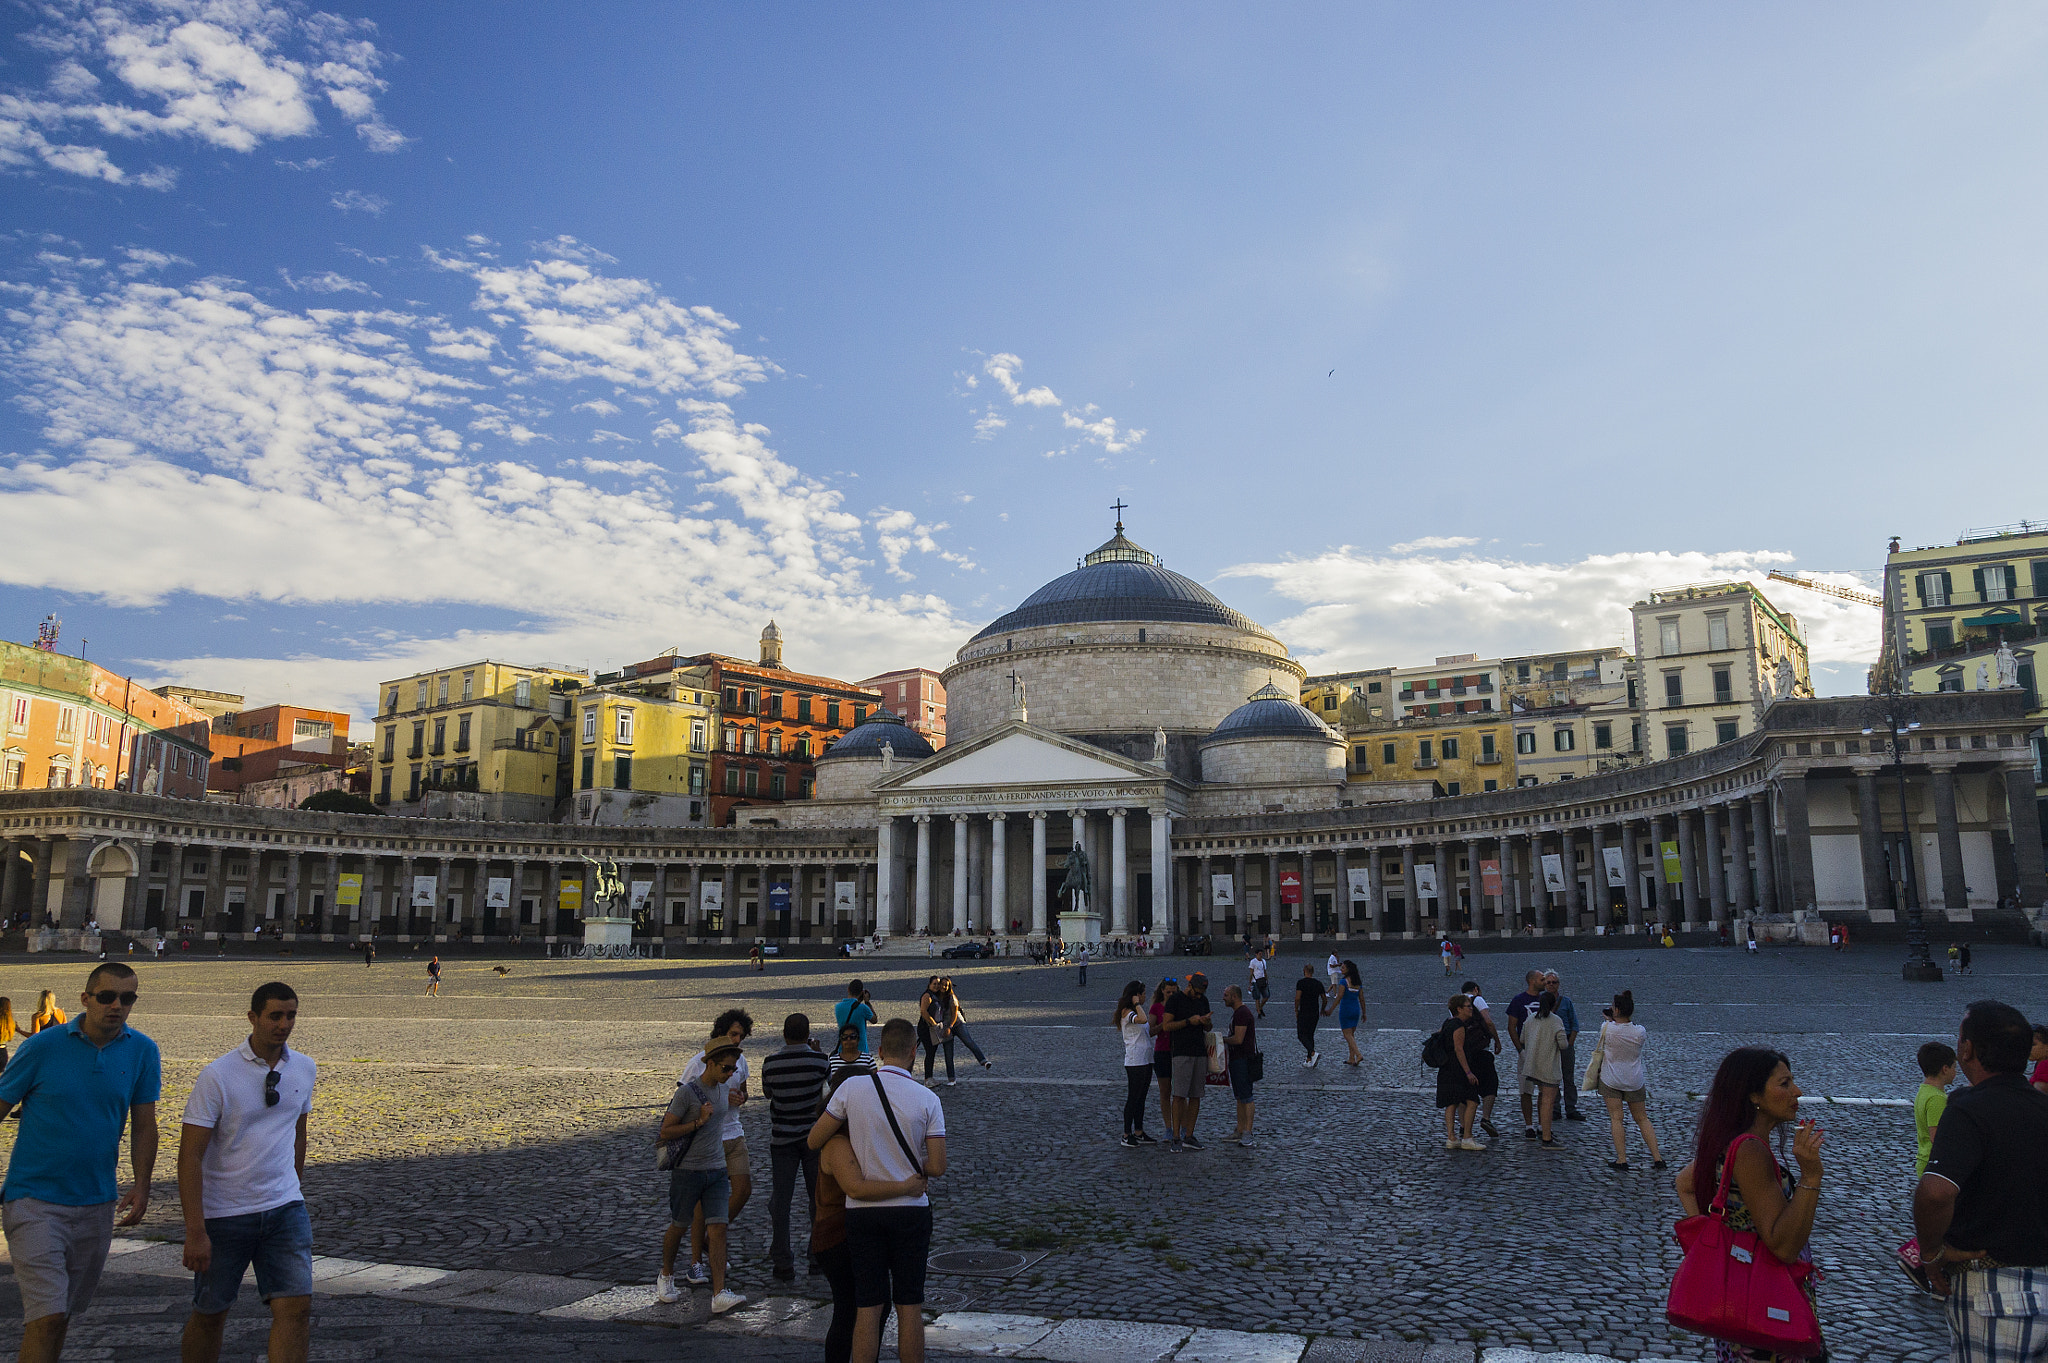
(1623, 1080)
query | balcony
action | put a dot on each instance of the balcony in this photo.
(462, 745)
(1484, 688)
(1674, 700)
(1488, 759)
(1425, 763)
(1723, 696)
(414, 752)
(437, 750)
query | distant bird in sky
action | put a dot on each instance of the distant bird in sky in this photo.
(1331, 374)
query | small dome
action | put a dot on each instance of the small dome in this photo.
(1270, 714)
(865, 739)
(771, 632)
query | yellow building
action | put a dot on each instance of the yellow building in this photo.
(1463, 756)
(643, 747)
(1712, 656)
(1949, 608)
(1573, 713)
(481, 740)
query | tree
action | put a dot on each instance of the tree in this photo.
(339, 802)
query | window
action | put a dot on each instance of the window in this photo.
(860, 712)
(1560, 670)
(1528, 780)
(413, 791)
(748, 740)
(1422, 753)
(803, 709)
(1563, 740)
(384, 789)
(1386, 757)
(732, 780)
(462, 734)
(753, 781)
(1674, 740)
(419, 738)
(522, 693)
(1934, 588)
(391, 702)
(732, 698)
(1603, 735)
(1724, 730)
(67, 721)
(1329, 702)
(547, 740)
(696, 735)
(590, 724)
(696, 778)
(589, 771)
(1491, 785)
(1525, 741)
(390, 742)
(441, 691)
(420, 701)
(1485, 747)
(1363, 758)
(1998, 582)
(1667, 638)
(775, 784)
(1717, 631)
(902, 691)
(469, 686)
(1674, 688)
(1724, 690)
(1453, 788)
(623, 731)
(775, 743)
(2041, 577)
(732, 740)
(1522, 673)
(1941, 634)
(1450, 749)
(805, 788)
(440, 737)
(1372, 688)
(832, 714)
(1635, 737)
(622, 773)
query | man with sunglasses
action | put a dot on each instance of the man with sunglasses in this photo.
(91, 1078)
(240, 1158)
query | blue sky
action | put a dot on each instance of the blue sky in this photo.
(345, 343)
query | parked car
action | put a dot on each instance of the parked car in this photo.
(969, 951)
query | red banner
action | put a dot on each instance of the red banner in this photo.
(1489, 877)
(1290, 887)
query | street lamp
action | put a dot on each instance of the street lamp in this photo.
(1919, 967)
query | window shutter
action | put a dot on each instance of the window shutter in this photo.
(2012, 581)
(1920, 588)
(1948, 586)
(2040, 578)
(1977, 581)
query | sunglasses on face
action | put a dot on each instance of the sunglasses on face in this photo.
(107, 996)
(270, 1089)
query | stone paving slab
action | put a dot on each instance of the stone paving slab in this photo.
(763, 1315)
(1240, 1346)
(1109, 1341)
(607, 1305)
(987, 1333)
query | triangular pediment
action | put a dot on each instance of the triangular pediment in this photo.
(1020, 755)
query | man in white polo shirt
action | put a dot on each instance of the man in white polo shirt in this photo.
(239, 1162)
(898, 1132)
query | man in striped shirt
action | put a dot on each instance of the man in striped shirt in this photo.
(794, 1080)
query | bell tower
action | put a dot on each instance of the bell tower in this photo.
(771, 646)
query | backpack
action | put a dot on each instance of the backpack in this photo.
(1435, 1053)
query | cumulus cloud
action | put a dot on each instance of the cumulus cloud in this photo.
(597, 405)
(1433, 542)
(988, 425)
(1101, 430)
(899, 533)
(213, 442)
(232, 74)
(1365, 610)
(1003, 369)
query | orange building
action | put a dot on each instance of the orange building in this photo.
(73, 723)
(258, 745)
(917, 697)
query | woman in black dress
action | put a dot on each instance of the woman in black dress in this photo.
(1457, 1084)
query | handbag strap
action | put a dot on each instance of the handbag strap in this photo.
(890, 1112)
(1719, 1206)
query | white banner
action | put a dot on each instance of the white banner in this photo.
(423, 892)
(1617, 874)
(1425, 880)
(711, 896)
(641, 889)
(498, 893)
(845, 896)
(1553, 873)
(1222, 892)
(1361, 881)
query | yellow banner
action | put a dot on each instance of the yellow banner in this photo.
(572, 895)
(1674, 869)
(350, 892)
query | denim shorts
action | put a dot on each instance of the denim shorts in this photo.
(278, 1242)
(688, 1187)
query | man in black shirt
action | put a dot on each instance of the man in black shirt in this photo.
(1981, 1210)
(1186, 1025)
(794, 1080)
(1310, 995)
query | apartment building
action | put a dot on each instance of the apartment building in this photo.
(488, 733)
(261, 744)
(70, 722)
(1440, 724)
(917, 697)
(1711, 657)
(1573, 713)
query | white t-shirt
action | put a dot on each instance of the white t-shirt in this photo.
(1138, 1040)
(1258, 967)
(1331, 965)
(1621, 1055)
(1478, 1002)
(874, 1145)
(250, 1165)
(731, 1131)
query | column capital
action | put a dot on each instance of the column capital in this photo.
(1077, 813)
(1038, 814)
(959, 818)
(998, 817)
(920, 818)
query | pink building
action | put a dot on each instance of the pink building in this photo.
(915, 694)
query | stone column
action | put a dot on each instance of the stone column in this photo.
(1162, 886)
(1799, 842)
(75, 907)
(1717, 885)
(39, 882)
(10, 877)
(1631, 874)
(1199, 906)
(1342, 899)
(1574, 892)
(1446, 885)
(1760, 848)
(924, 871)
(1271, 901)
(1513, 887)
(885, 877)
(1660, 833)
(1603, 897)
(1237, 891)
(999, 873)
(1955, 894)
(550, 897)
(1539, 894)
(1743, 889)
(330, 897)
(402, 910)
(1119, 873)
(1877, 887)
(443, 882)
(1688, 870)
(1038, 928)
(2023, 818)
(480, 890)
(1411, 917)
(962, 916)
(291, 889)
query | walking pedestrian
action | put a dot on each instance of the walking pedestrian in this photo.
(90, 1079)
(1457, 1083)
(898, 1132)
(699, 1186)
(1309, 1000)
(1623, 1081)
(952, 1017)
(1081, 980)
(793, 1081)
(1482, 1055)
(731, 1028)
(1331, 968)
(46, 1015)
(1350, 1008)
(1519, 1009)
(434, 978)
(755, 957)
(856, 1009)
(1965, 958)
(1134, 1028)
(1937, 1071)
(241, 1155)
(1187, 1028)
(1569, 1016)
(369, 954)
(928, 1027)
(1444, 950)
(1981, 1210)
(1261, 988)
(1542, 1055)
(1162, 1050)
(839, 1177)
(1242, 1043)
(850, 1055)
(1752, 1096)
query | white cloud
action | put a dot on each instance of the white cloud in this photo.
(599, 406)
(1367, 610)
(141, 260)
(898, 533)
(356, 201)
(1433, 542)
(325, 454)
(1003, 369)
(232, 74)
(604, 437)
(308, 163)
(327, 281)
(986, 428)
(1101, 430)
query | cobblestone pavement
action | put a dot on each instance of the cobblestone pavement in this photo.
(507, 1126)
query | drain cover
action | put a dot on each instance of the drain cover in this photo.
(946, 1299)
(983, 1263)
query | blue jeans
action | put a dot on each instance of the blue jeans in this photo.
(278, 1242)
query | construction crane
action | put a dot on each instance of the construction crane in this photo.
(1846, 593)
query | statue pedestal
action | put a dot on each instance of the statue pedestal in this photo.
(1080, 929)
(607, 932)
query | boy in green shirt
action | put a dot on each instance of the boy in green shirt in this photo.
(1938, 1071)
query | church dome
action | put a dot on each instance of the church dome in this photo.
(1269, 713)
(865, 739)
(1121, 581)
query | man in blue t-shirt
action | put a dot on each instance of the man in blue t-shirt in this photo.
(89, 1080)
(856, 1011)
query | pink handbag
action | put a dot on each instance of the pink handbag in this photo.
(1730, 1287)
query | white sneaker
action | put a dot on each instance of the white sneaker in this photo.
(665, 1288)
(725, 1301)
(1314, 1058)
(1450, 1145)
(1469, 1144)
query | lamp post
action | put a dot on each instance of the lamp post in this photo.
(1919, 966)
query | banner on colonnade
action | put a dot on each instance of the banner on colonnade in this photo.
(349, 892)
(1223, 891)
(423, 891)
(844, 896)
(1674, 869)
(1290, 887)
(1361, 881)
(1617, 874)
(1489, 877)
(1553, 873)
(498, 892)
(1425, 880)
(711, 896)
(571, 898)
(642, 890)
